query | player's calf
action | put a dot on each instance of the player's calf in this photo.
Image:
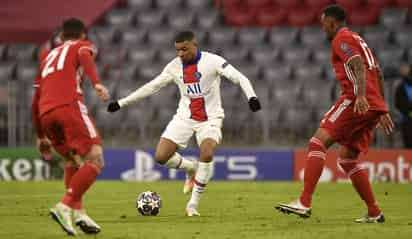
(190, 179)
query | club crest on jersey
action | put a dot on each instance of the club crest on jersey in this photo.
(193, 89)
(198, 75)
(345, 48)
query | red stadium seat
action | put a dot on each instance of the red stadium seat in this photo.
(240, 16)
(228, 4)
(380, 3)
(302, 16)
(364, 16)
(288, 3)
(404, 4)
(320, 4)
(258, 4)
(350, 4)
(273, 16)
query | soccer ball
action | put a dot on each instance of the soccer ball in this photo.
(148, 203)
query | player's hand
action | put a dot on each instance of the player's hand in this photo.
(102, 92)
(254, 104)
(113, 107)
(361, 105)
(44, 147)
(386, 123)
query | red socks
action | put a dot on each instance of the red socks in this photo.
(360, 181)
(80, 182)
(313, 170)
(69, 171)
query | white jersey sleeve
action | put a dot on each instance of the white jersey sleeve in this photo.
(228, 71)
(149, 88)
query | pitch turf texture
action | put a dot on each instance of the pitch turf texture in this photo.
(228, 210)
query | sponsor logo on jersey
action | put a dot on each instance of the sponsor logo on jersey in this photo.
(193, 90)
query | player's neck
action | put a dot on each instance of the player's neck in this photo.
(338, 29)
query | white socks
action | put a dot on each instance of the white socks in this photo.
(203, 175)
(178, 162)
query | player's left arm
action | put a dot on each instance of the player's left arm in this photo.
(231, 73)
(361, 104)
(43, 144)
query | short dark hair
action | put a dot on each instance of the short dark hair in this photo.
(73, 28)
(335, 11)
(184, 36)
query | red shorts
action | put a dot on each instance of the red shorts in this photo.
(350, 129)
(70, 129)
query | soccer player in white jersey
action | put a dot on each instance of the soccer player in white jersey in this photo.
(197, 75)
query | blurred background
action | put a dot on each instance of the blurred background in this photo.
(277, 44)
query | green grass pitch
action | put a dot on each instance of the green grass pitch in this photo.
(228, 210)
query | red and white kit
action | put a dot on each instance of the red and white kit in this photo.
(59, 111)
(346, 127)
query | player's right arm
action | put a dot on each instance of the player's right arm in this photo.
(86, 59)
(146, 90)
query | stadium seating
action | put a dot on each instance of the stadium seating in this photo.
(278, 44)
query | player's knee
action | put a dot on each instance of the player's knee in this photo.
(96, 159)
(161, 157)
(95, 156)
(206, 155)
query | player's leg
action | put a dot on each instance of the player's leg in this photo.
(167, 156)
(208, 136)
(80, 183)
(360, 180)
(314, 164)
(203, 174)
(53, 128)
(71, 164)
(83, 139)
(176, 136)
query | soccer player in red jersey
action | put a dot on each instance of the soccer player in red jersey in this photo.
(351, 121)
(62, 120)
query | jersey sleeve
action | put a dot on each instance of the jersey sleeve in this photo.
(231, 73)
(86, 54)
(346, 48)
(89, 47)
(150, 88)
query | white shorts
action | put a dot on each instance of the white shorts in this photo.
(181, 130)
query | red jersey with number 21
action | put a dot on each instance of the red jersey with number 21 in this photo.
(346, 45)
(61, 75)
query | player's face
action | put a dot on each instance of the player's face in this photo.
(328, 26)
(186, 50)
